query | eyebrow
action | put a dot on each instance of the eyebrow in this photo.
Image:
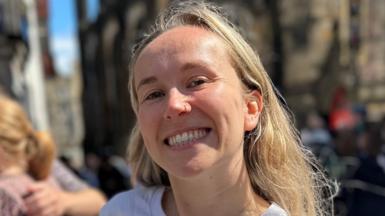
(193, 65)
(185, 67)
(146, 81)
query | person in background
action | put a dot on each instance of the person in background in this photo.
(315, 135)
(89, 172)
(26, 156)
(212, 135)
(368, 181)
(30, 182)
(112, 179)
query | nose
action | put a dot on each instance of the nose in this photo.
(177, 104)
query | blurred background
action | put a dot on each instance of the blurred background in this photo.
(66, 62)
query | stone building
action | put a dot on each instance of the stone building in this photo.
(370, 57)
(22, 73)
(310, 49)
(65, 114)
(330, 45)
(13, 45)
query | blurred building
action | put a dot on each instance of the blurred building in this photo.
(107, 114)
(13, 45)
(65, 114)
(21, 67)
(310, 49)
(310, 41)
(105, 48)
(370, 58)
(329, 45)
(62, 95)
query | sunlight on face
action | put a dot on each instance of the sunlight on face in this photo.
(191, 107)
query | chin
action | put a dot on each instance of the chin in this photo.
(190, 170)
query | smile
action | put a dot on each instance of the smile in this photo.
(187, 137)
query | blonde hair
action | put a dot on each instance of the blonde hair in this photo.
(279, 167)
(21, 144)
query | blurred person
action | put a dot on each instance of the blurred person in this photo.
(26, 156)
(121, 164)
(315, 135)
(381, 156)
(368, 197)
(360, 115)
(346, 142)
(68, 162)
(89, 172)
(212, 137)
(112, 179)
(382, 133)
(26, 173)
(76, 197)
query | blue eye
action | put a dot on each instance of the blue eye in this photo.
(196, 82)
(154, 95)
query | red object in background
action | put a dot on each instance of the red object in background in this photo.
(342, 118)
(341, 115)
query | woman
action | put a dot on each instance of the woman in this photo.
(212, 136)
(26, 156)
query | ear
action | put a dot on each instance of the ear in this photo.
(254, 106)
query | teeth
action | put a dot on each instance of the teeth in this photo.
(186, 137)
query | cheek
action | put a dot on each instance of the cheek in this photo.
(215, 95)
(227, 99)
(147, 131)
(147, 121)
(224, 105)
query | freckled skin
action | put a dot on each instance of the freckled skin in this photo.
(216, 103)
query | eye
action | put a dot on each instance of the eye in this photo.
(154, 95)
(197, 82)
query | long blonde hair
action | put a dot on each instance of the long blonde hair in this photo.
(21, 145)
(279, 167)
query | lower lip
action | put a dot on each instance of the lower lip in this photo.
(188, 145)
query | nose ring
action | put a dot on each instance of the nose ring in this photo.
(185, 109)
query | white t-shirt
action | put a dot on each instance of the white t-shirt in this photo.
(147, 201)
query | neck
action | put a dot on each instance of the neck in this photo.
(228, 191)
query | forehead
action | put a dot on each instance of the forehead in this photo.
(180, 45)
(183, 37)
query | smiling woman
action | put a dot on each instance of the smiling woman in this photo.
(212, 137)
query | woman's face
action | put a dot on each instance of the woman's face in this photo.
(192, 111)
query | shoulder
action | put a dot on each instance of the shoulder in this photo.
(140, 201)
